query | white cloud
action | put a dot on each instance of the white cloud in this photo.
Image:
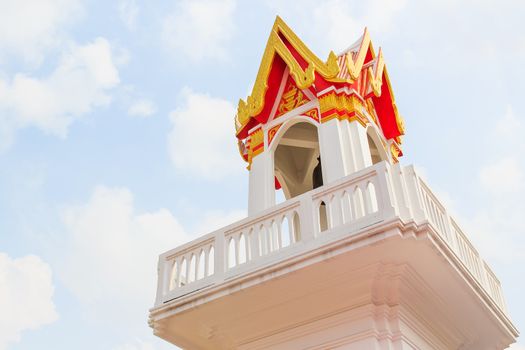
(79, 83)
(142, 108)
(26, 292)
(503, 176)
(199, 29)
(111, 251)
(202, 139)
(29, 27)
(128, 11)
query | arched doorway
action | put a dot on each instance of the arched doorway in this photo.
(377, 151)
(295, 159)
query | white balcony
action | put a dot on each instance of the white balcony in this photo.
(381, 207)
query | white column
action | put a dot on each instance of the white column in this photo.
(346, 147)
(359, 149)
(331, 149)
(261, 183)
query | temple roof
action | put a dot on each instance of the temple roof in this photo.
(357, 68)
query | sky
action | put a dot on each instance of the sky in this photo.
(117, 141)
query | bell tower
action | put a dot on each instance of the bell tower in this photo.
(360, 255)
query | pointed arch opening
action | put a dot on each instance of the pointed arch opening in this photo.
(323, 217)
(377, 150)
(296, 160)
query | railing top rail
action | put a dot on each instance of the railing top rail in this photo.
(189, 246)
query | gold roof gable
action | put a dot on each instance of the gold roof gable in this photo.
(304, 78)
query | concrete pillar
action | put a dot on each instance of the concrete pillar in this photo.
(331, 150)
(359, 149)
(261, 183)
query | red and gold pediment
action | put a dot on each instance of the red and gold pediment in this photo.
(291, 98)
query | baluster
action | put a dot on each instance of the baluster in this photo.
(206, 260)
(345, 207)
(278, 225)
(219, 254)
(291, 228)
(236, 248)
(308, 218)
(247, 246)
(315, 215)
(336, 210)
(367, 201)
(188, 264)
(256, 248)
(268, 236)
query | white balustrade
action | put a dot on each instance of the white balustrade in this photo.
(362, 199)
(268, 234)
(352, 200)
(457, 241)
(187, 265)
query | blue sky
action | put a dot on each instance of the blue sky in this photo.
(117, 140)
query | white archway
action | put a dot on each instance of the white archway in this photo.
(377, 150)
(295, 150)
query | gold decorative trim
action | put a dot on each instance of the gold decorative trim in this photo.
(303, 78)
(375, 75)
(243, 150)
(313, 113)
(342, 107)
(291, 98)
(341, 102)
(371, 110)
(255, 144)
(395, 151)
(272, 132)
(354, 67)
